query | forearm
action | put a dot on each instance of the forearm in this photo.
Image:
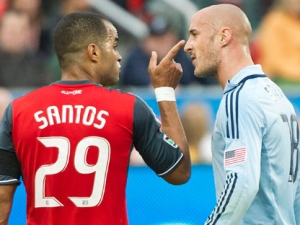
(172, 127)
(6, 198)
(164, 78)
(236, 197)
(3, 216)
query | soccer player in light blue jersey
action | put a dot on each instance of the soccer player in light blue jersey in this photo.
(255, 142)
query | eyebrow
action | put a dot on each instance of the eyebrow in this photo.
(193, 31)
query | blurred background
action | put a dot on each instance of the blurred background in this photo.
(27, 61)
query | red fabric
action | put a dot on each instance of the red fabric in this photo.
(67, 155)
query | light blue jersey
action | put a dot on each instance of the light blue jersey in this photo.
(255, 146)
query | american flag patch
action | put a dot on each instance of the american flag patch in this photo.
(235, 156)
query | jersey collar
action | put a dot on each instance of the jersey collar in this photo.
(74, 82)
(243, 75)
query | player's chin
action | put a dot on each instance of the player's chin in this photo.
(197, 73)
(200, 72)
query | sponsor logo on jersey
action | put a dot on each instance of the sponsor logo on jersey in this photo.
(170, 141)
(75, 92)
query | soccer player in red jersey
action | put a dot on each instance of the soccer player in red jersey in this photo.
(71, 140)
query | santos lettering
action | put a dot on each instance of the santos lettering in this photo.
(87, 115)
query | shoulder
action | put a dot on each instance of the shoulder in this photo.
(253, 90)
(125, 98)
(120, 93)
(261, 96)
(248, 97)
(31, 93)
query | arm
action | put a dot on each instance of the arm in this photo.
(10, 170)
(167, 74)
(236, 162)
(6, 199)
(171, 125)
(297, 203)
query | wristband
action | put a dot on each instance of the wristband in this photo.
(165, 94)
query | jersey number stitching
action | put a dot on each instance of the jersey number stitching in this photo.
(294, 136)
(99, 168)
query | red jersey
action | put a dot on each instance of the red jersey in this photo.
(73, 141)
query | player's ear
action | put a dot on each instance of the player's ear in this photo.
(93, 52)
(225, 36)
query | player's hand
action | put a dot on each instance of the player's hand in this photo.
(167, 73)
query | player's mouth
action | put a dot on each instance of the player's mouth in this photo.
(193, 59)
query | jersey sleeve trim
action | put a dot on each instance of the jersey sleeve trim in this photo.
(224, 199)
(170, 169)
(4, 180)
(159, 152)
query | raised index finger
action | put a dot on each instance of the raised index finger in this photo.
(172, 53)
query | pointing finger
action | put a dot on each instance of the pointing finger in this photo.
(172, 53)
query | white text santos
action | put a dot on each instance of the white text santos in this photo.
(87, 115)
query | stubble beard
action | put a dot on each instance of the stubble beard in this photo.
(207, 71)
(209, 67)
